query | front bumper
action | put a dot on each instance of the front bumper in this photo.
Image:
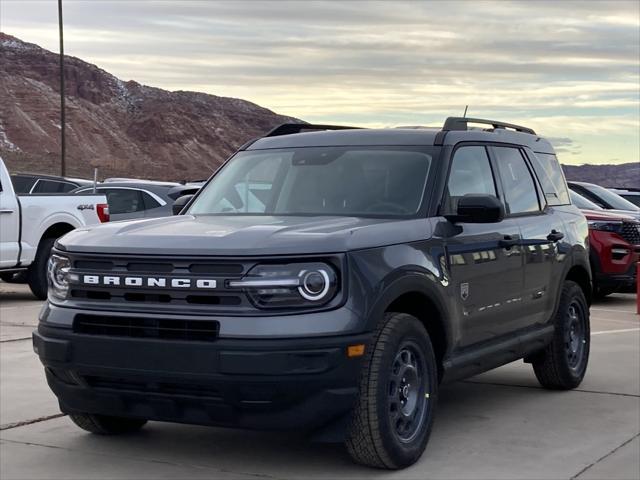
(303, 383)
(622, 283)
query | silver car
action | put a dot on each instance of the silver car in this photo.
(144, 199)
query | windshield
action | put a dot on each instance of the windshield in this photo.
(614, 200)
(583, 203)
(352, 181)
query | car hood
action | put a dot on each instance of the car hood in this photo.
(241, 235)
(625, 213)
(607, 215)
(614, 215)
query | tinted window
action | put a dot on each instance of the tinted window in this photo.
(549, 173)
(635, 199)
(583, 203)
(67, 187)
(22, 184)
(319, 181)
(608, 198)
(470, 174)
(123, 201)
(149, 201)
(519, 187)
(52, 186)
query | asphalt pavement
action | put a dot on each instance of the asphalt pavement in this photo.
(500, 424)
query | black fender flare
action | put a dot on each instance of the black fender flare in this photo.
(401, 282)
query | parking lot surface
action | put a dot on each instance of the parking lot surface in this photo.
(500, 424)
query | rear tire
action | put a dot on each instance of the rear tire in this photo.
(563, 363)
(105, 425)
(37, 273)
(392, 419)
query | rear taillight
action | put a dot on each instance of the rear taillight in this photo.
(103, 212)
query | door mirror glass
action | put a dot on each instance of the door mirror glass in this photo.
(180, 203)
(478, 209)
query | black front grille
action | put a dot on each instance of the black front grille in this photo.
(137, 327)
(155, 298)
(631, 232)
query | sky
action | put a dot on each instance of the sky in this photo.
(570, 70)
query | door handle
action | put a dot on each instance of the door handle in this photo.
(6, 210)
(508, 241)
(555, 236)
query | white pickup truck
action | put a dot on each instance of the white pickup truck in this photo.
(30, 224)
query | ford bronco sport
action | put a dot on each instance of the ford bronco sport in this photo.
(326, 279)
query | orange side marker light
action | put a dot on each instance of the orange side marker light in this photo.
(355, 350)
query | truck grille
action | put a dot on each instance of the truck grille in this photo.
(146, 298)
(631, 232)
(136, 327)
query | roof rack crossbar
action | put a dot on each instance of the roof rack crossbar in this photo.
(460, 123)
(290, 128)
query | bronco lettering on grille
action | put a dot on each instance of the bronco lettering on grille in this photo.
(151, 282)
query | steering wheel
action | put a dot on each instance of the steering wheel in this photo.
(386, 207)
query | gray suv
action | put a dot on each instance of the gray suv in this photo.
(326, 279)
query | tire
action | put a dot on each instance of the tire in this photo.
(563, 363)
(380, 434)
(37, 273)
(105, 425)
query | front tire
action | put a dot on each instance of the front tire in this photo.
(37, 273)
(105, 425)
(392, 419)
(563, 363)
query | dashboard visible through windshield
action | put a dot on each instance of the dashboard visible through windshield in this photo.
(342, 181)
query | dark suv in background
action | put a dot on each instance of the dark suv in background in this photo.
(38, 183)
(327, 281)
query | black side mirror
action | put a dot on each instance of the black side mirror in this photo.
(478, 209)
(180, 203)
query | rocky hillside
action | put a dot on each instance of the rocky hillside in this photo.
(620, 176)
(123, 128)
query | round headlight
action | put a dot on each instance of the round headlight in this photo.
(314, 284)
(289, 285)
(58, 270)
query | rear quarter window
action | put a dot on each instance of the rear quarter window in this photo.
(549, 173)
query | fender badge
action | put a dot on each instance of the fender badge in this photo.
(464, 291)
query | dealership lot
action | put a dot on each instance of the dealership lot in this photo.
(496, 425)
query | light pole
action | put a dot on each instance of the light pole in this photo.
(63, 146)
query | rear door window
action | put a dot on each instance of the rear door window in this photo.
(122, 200)
(520, 193)
(52, 186)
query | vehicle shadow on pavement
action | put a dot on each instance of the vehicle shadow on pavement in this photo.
(10, 292)
(465, 411)
(490, 430)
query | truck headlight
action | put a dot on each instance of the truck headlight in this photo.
(58, 275)
(605, 226)
(290, 285)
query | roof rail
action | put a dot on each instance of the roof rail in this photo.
(460, 123)
(289, 128)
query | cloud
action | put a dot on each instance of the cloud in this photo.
(562, 67)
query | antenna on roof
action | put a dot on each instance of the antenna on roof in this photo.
(464, 115)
